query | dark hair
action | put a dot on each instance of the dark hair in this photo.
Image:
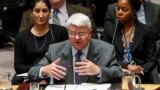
(34, 2)
(136, 4)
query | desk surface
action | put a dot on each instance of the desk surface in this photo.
(14, 87)
(150, 86)
(145, 86)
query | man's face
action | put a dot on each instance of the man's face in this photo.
(79, 36)
(56, 4)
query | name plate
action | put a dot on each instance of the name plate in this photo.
(84, 86)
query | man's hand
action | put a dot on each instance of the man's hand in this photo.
(135, 68)
(54, 70)
(86, 67)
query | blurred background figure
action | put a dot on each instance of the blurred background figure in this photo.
(134, 42)
(9, 20)
(148, 13)
(32, 43)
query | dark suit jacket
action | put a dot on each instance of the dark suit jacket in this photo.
(156, 29)
(100, 53)
(151, 10)
(143, 47)
(27, 20)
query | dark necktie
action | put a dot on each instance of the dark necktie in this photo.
(55, 17)
(78, 59)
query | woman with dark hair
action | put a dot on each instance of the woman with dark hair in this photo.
(134, 42)
(32, 44)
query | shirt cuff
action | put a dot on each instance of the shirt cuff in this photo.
(99, 75)
(41, 74)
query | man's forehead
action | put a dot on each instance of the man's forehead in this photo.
(78, 26)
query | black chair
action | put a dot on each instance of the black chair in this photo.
(10, 17)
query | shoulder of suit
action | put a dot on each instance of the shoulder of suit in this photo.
(57, 26)
(144, 26)
(101, 43)
(78, 7)
(60, 44)
(150, 4)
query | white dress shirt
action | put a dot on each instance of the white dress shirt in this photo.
(62, 15)
(84, 55)
(141, 14)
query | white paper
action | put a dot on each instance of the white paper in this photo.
(23, 74)
(79, 87)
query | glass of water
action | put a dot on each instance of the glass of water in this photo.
(5, 81)
(34, 86)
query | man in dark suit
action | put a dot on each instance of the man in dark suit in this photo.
(64, 11)
(97, 64)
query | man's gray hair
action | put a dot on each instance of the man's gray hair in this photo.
(79, 19)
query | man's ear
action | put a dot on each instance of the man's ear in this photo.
(90, 31)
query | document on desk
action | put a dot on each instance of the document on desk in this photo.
(22, 74)
(79, 87)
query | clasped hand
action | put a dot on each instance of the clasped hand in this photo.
(135, 68)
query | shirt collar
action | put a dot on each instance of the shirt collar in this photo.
(142, 7)
(84, 51)
(63, 8)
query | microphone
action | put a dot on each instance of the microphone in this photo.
(115, 29)
(66, 81)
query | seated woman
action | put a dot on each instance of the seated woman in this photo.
(134, 42)
(32, 44)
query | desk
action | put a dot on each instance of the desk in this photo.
(146, 86)
(14, 87)
(150, 86)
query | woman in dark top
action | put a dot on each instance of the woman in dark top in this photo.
(32, 44)
(134, 42)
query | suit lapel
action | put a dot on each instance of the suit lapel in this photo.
(137, 38)
(66, 61)
(66, 55)
(92, 56)
(147, 12)
(70, 9)
(118, 41)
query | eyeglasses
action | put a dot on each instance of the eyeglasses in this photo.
(74, 34)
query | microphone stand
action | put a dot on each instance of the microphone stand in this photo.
(115, 31)
(66, 81)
